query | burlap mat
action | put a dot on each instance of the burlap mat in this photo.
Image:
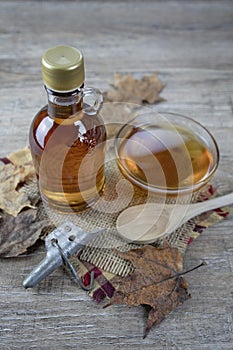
(119, 194)
(100, 251)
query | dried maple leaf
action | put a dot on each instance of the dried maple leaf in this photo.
(21, 157)
(155, 282)
(17, 234)
(12, 201)
(128, 89)
(20, 170)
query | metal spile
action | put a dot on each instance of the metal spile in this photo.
(61, 244)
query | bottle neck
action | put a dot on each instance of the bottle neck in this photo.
(63, 104)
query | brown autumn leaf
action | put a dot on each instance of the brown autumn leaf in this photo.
(19, 230)
(12, 199)
(21, 157)
(155, 282)
(18, 234)
(128, 89)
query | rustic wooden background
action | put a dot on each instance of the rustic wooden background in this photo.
(190, 44)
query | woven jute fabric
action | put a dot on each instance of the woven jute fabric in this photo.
(115, 198)
(119, 194)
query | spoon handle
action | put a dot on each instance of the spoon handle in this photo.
(199, 208)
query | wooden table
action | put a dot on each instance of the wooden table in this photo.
(190, 44)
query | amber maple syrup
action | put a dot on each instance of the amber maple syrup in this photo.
(69, 159)
(165, 157)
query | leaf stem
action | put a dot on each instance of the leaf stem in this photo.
(203, 263)
(178, 274)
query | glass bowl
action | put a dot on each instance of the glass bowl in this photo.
(166, 153)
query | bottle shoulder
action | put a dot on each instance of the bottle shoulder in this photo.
(40, 115)
(79, 119)
(77, 127)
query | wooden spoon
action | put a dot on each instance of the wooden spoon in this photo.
(147, 222)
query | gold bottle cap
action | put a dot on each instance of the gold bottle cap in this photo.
(63, 68)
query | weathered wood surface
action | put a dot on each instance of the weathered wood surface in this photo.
(190, 43)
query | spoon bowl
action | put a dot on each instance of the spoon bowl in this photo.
(148, 222)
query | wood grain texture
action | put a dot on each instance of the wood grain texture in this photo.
(190, 44)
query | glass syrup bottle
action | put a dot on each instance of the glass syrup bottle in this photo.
(68, 136)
